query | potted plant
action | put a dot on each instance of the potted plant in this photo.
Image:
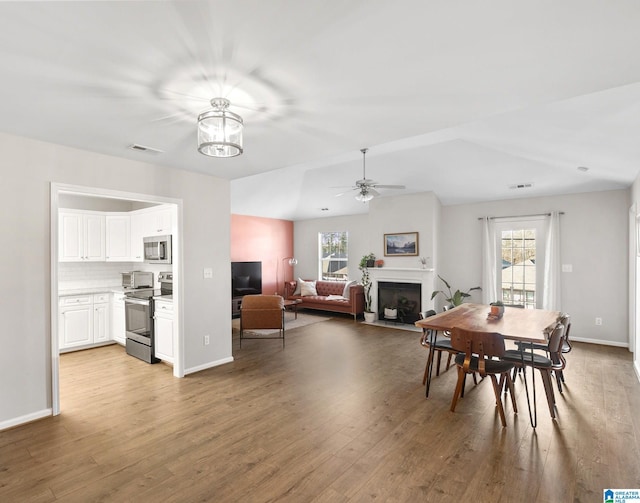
(368, 260)
(366, 283)
(497, 309)
(453, 298)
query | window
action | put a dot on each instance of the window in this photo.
(521, 268)
(333, 257)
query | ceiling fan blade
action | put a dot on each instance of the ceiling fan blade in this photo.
(378, 186)
(373, 191)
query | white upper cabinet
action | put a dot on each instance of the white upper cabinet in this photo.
(145, 223)
(81, 236)
(111, 237)
(118, 238)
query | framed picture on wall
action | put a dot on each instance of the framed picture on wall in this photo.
(403, 244)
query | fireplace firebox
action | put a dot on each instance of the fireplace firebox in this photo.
(399, 302)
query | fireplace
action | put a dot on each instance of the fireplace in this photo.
(406, 276)
(399, 302)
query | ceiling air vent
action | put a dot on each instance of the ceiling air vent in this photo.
(142, 148)
(521, 186)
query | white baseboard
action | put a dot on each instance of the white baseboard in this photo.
(636, 367)
(17, 421)
(208, 365)
(603, 343)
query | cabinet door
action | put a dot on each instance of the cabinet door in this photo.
(70, 237)
(100, 322)
(94, 238)
(162, 221)
(118, 238)
(75, 326)
(139, 225)
(118, 327)
(163, 331)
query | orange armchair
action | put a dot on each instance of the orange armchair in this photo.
(260, 312)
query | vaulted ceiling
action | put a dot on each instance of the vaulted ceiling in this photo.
(462, 98)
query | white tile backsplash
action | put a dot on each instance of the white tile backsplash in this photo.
(75, 275)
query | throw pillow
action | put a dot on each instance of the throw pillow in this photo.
(308, 288)
(347, 287)
(298, 285)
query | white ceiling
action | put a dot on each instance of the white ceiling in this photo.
(461, 98)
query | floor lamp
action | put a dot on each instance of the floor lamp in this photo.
(291, 261)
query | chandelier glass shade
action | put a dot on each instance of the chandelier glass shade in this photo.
(220, 131)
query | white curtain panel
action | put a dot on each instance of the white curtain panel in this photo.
(551, 289)
(489, 262)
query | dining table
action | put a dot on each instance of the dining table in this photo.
(529, 326)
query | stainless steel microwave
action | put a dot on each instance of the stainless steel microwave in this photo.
(157, 249)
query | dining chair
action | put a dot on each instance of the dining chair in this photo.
(441, 343)
(477, 353)
(566, 347)
(554, 362)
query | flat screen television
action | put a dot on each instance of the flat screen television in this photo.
(246, 278)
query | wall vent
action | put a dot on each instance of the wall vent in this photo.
(143, 148)
(521, 186)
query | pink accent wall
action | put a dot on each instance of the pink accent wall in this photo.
(267, 240)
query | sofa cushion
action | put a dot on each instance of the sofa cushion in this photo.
(347, 289)
(308, 288)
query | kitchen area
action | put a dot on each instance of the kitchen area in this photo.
(115, 276)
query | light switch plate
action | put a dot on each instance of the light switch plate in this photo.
(208, 273)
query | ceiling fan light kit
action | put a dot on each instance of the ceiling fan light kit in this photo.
(367, 188)
(220, 131)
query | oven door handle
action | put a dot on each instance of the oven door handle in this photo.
(137, 301)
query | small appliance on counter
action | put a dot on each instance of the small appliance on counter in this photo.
(157, 249)
(137, 279)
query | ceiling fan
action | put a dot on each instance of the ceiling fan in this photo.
(365, 187)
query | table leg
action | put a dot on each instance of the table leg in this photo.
(432, 340)
(533, 417)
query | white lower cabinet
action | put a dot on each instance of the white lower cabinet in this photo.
(101, 315)
(118, 326)
(163, 330)
(83, 321)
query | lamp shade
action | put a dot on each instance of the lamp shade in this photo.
(220, 131)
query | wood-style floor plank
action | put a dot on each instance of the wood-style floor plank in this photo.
(338, 415)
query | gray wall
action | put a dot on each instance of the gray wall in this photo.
(27, 169)
(593, 239)
(410, 213)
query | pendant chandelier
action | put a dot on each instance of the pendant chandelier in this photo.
(220, 131)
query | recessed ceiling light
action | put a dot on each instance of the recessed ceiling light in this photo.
(142, 148)
(521, 186)
(583, 168)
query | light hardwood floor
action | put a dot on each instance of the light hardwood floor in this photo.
(338, 415)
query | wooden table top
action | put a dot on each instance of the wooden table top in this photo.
(528, 325)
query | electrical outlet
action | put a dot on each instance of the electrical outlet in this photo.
(598, 321)
(207, 273)
(206, 340)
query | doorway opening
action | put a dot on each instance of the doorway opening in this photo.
(97, 199)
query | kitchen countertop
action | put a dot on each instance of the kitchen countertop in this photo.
(91, 290)
(166, 298)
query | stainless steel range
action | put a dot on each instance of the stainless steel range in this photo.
(139, 308)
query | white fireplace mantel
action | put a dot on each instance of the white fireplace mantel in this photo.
(424, 277)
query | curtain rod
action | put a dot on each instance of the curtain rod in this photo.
(523, 216)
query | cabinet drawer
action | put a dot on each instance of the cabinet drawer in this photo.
(100, 298)
(77, 300)
(164, 307)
